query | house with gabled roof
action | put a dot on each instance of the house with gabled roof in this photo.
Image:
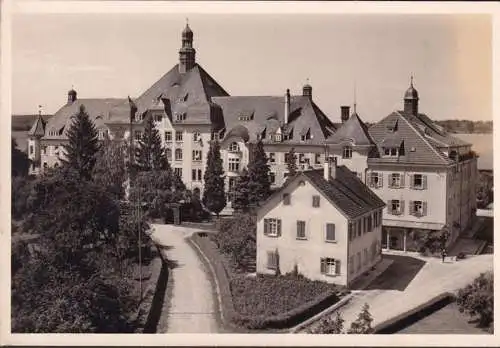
(424, 174)
(326, 224)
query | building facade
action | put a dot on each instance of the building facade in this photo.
(325, 224)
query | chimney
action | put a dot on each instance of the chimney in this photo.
(330, 168)
(287, 106)
(344, 113)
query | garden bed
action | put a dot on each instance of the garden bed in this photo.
(262, 302)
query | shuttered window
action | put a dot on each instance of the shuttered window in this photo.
(301, 229)
(286, 198)
(272, 227)
(330, 266)
(330, 232)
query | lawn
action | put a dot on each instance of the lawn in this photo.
(447, 320)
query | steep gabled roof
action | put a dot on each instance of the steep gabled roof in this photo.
(409, 133)
(268, 115)
(97, 109)
(346, 192)
(189, 93)
(38, 128)
(353, 130)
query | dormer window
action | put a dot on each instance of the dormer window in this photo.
(347, 152)
(246, 116)
(158, 117)
(305, 134)
(180, 117)
(277, 137)
(391, 151)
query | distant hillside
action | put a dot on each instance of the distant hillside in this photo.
(24, 122)
(467, 127)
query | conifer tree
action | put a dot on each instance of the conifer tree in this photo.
(363, 323)
(110, 170)
(259, 184)
(150, 154)
(82, 146)
(241, 192)
(291, 162)
(214, 197)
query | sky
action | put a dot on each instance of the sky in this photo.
(370, 56)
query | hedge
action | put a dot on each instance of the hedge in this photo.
(232, 318)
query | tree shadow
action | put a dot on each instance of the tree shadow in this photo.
(398, 275)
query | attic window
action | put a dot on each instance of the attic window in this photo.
(391, 151)
(305, 134)
(246, 116)
(277, 137)
(61, 130)
(180, 117)
(393, 127)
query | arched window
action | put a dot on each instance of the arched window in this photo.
(178, 154)
(234, 147)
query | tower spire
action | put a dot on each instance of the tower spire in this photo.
(187, 53)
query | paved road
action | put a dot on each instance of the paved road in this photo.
(433, 279)
(192, 305)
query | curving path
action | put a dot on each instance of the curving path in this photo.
(191, 305)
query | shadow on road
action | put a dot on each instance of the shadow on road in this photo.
(398, 275)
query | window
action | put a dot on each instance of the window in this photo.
(375, 179)
(359, 260)
(330, 266)
(347, 152)
(31, 149)
(196, 174)
(419, 181)
(168, 153)
(277, 137)
(330, 232)
(396, 207)
(178, 172)
(178, 154)
(375, 219)
(418, 208)
(351, 264)
(168, 136)
(178, 135)
(272, 177)
(137, 135)
(351, 230)
(370, 227)
(272, 259)
(158, 117)
(317, 158)
(391, 151)
(196, 136)
(180, 117)
(234, 164)
(286, 199)
(271, 157)
(316, 201)
(44, 150)
(301, 230)
(365, 225)
(272, 227)
(234, 147)
(360, 227)
(396, 180)
(365, 256)
(197, 155)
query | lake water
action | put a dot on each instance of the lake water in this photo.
(482, 144)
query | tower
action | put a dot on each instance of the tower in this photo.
(187, 53)
(71, 96)
(307, 90)
(411, 100)
(35, 134)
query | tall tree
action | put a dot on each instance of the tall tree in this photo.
(241, 192)
(214, 197)
(20, 161)
(83, 145)
(259, 184)
(291, 162)
(150, 154)
(110, 170)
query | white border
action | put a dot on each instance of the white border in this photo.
(21, 6)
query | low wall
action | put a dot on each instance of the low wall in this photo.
(230, 318)
(406, 319)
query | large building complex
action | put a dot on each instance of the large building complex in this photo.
(425, 176)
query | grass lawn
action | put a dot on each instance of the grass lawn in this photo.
(447, 320)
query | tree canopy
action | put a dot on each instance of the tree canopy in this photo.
(241, 192)
(476, 299)
(259, 184)
(150, 154)
(214, 197)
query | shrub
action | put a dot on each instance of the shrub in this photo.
(363, 323)
(476, 299)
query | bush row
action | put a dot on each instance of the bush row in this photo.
(321, 300)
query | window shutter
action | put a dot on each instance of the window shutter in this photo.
(278, 227)
(323, 266)
(424, 208)
(271, 262)
(412, 208)
(402, 180)
(402, 205)
(412, 181)
(389, 206)
(337, 267)
(424, 182)
(266, 227)
(389, 180)
(380, 180)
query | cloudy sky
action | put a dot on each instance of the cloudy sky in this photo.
(115, 55)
